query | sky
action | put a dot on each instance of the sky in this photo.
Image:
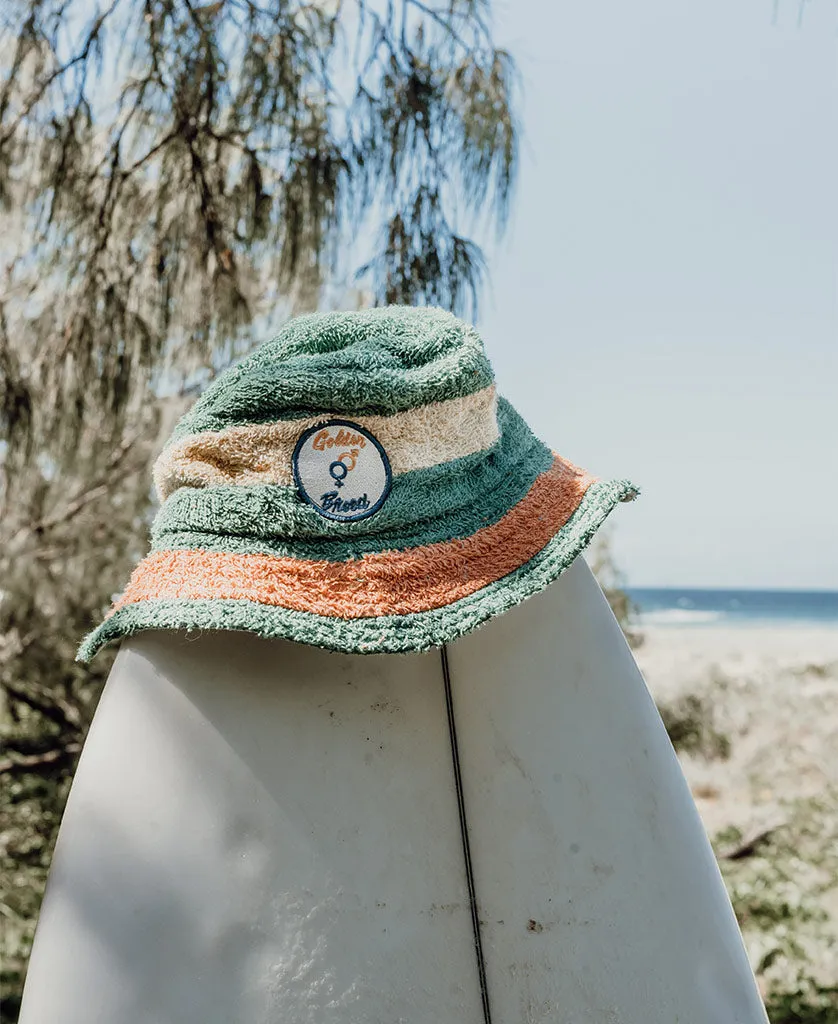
(663, 307)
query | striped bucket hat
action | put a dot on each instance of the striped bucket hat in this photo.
(357, 484)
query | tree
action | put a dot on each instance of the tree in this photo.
(173, 176)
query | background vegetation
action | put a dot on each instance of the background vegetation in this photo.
(781, 875)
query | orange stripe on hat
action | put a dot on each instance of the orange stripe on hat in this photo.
(382, 583)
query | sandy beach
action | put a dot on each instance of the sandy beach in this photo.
(755, 713)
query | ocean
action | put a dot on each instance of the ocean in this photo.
(673, 606)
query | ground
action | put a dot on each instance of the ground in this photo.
(754, 716)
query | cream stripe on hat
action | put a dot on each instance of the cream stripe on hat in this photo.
(261, 454)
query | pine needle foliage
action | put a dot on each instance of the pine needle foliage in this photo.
(175, 175)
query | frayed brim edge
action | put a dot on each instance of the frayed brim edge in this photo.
(386, 634)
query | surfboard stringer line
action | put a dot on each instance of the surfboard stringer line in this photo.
(461, 811)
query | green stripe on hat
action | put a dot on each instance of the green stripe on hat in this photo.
(373, 362)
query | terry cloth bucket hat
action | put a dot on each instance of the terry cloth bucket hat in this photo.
(357, 484)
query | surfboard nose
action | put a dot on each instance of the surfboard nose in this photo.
(498, 832)
(599, 891)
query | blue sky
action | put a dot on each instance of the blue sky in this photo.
(664, 305)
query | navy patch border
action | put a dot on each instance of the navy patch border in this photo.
(388, 472)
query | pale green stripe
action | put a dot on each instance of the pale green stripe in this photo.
(378, 361)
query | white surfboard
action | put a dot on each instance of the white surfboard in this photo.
(265, 832)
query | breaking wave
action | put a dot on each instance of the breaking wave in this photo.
(679, 617)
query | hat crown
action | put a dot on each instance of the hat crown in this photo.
(365, 362)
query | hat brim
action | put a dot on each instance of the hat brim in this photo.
(378, 632)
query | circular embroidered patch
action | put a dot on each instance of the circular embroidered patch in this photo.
(341, 470)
